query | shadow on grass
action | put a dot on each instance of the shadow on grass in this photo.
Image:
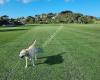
(54, 59)
(7, 30)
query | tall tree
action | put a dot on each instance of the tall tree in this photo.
(30, 20)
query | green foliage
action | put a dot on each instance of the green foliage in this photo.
(30, 20)
(49, 18)
(64, 17)
(6, 21)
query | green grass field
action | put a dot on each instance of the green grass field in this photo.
(73, 54)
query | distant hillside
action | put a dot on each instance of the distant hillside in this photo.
(49, 18)
(98, 17)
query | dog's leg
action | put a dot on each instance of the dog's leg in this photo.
(26, 62)
(35, 57)
(33, 62)
(32, 58)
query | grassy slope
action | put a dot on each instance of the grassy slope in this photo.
(72, 55)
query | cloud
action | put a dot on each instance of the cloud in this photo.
(29, 1)
(67, 0)
(3, 1)
(23, 1)
(26, 1)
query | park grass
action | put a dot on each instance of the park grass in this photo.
(73, 54)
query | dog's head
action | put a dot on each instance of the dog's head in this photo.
(23, 53)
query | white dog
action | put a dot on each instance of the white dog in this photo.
(29, 53)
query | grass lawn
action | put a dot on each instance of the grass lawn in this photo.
(72, 54)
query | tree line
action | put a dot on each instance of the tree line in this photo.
(49, 18)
